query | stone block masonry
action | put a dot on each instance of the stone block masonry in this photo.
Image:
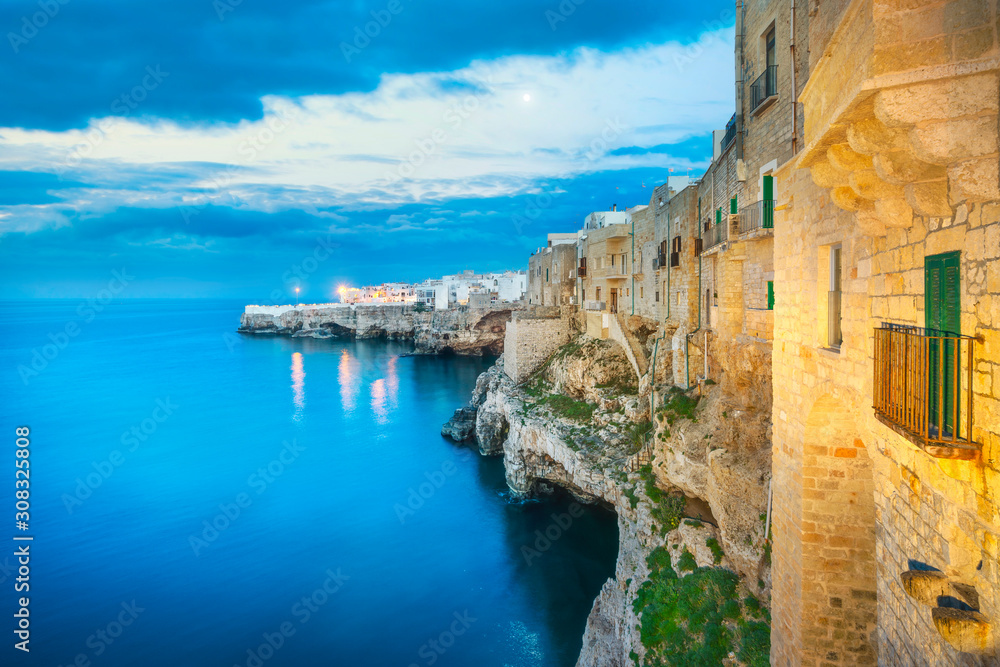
(531, 338)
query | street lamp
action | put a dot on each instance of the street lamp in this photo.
(296, 296)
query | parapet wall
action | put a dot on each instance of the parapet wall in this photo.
(531, 338)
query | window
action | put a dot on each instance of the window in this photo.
(598, 291)
(583, 294)
(546, 275)
(769, 48)
(612, 260)
(640, 291)
(833, 330)
(770, 295)
(657, 296)
(942, 312)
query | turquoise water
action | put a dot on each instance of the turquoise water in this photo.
(204, 498)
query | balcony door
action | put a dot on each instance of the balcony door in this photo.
(613, 303)
(942, 303)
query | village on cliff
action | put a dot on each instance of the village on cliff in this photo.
(804, 343)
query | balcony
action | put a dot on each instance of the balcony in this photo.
(675, 259)
(661, 259)
(581, 272)
(712, 235)
(923, 388)
(757, 216)
(764, 90)
(730, 136)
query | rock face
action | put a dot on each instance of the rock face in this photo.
(462, 426)
(720, 459)
(470, 332)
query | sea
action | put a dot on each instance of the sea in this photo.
(194, 496)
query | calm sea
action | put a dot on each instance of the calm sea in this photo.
(204, 498)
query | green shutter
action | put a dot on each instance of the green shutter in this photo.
(718, 216)
(942, 310)
(732, 206)
(767, 214)
(770, 295)
(546, 275)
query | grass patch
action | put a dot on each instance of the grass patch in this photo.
(698, 619)
(693, 524)
(564, 406)
(677, 405)
(668, 507)
(633, 499)
(686, 563)
(623, 386)
(717, 552)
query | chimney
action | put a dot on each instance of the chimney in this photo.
(614, 207)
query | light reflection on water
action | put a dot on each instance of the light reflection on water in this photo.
(298, 385)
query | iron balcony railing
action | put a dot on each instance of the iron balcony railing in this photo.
(923, 384)
(712, 235)
(759, 215)
(730, 135)
(764, 87)
(661, 259)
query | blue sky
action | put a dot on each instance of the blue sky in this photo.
(209, 147)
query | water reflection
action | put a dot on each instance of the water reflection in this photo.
(298, 385)
(347, 376)
(385, 392)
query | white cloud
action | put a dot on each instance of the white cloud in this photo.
(416, 137)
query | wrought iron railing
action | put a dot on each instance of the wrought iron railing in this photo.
(759, 215)
(730, 134)
(923, 383)
(661, 259)
(764, 87)
(712, 235)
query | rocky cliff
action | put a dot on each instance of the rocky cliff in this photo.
(580, 424)
(469, 331)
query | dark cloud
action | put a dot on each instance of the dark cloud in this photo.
(87, 56)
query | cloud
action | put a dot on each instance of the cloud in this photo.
(411, 139)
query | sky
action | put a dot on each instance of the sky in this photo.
(242, 148)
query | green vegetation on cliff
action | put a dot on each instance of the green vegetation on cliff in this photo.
(668, 508)
(698, 619)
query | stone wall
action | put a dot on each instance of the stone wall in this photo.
(531, 338)
(552, 276)
(856, 504)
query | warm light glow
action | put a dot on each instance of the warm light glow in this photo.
(298, 385)
(347, 376)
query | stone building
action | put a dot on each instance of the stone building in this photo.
(886, 366)
(552, 272)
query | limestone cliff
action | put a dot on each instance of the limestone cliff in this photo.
(579, 424)
(459, 331)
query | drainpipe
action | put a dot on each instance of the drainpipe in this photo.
(791, 48)
(632, 234)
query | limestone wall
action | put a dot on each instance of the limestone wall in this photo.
(531, 338)
(857, 504)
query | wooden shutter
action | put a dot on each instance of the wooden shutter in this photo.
(732, 206)
(770, 295)
(767, 212)
(942, 309)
